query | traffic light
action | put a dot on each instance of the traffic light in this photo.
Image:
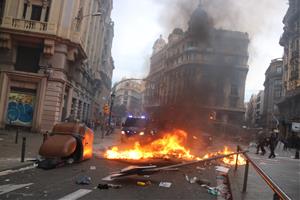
(212, 115)
(105, 109)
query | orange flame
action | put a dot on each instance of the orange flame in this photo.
(171, 145)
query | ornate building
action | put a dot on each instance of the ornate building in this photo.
(272, 93)
(289, 106)
(198, 72)
(55, 60)
(130, 94)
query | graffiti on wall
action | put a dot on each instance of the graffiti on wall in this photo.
(20, 109)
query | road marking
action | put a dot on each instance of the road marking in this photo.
(11, 187)
(76, 195)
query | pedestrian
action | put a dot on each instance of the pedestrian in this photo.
(272, 145)
(260, 143)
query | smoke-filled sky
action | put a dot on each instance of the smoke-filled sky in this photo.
(138, 23)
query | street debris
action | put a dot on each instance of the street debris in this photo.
(165, 184)
(83, 180)
(222, 169)
(148, 170)
(223, 183)
(49, 163)
(143, 183)
(69, 142)
(7, 180)
(200, 168)
(106, 186)
(92, 167)
(191, 180)
(203, 182)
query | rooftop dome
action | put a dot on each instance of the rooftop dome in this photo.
(159, 44)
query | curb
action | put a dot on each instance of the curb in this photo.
(27, 164)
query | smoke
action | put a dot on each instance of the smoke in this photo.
(238, 15)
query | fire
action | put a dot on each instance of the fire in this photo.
(231, 160)
(170, 145)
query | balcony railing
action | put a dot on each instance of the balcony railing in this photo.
(28, 25)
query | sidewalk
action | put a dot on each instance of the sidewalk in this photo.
(10, 156)
(283, 170)
(11, 153)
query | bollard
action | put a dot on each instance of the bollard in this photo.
(23, 149)
(17, 136)
(246, 176)
(237, 157)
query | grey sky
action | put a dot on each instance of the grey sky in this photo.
(138, 23)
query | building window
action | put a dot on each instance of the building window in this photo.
(28, 59)
(2, 6)
(36, 12)
(233, 102)
(278, 70)
(277, 94)
(234, 90)
(25, 10)
(277, 82)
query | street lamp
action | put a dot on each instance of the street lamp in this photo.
(79, 17)
(111, 106)
(92, 15)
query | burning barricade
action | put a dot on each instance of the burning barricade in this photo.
(171, 145)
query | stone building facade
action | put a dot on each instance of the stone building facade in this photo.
(272, 93)
(289, 106)
(198, 72)
(130, 94)
(55, 60)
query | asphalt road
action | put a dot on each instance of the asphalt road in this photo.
(60, 182)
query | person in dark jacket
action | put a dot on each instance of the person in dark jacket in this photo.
(272, 145)
(260, 143)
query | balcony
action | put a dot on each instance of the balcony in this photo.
(28, 25)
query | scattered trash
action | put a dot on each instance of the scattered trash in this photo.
(103, 186)
(49, 163)
(107, 186)
(203, 182)
(214, 191)
(7, 180)
(222, 169)
(187, 178)
(84, 180)
(70, 161)
(165, 184)
(114, 186)
(1, 139)
(146, 176)
(220, 177)
(92, 167)
(200, 168)
(192, 180)
(141, 183)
